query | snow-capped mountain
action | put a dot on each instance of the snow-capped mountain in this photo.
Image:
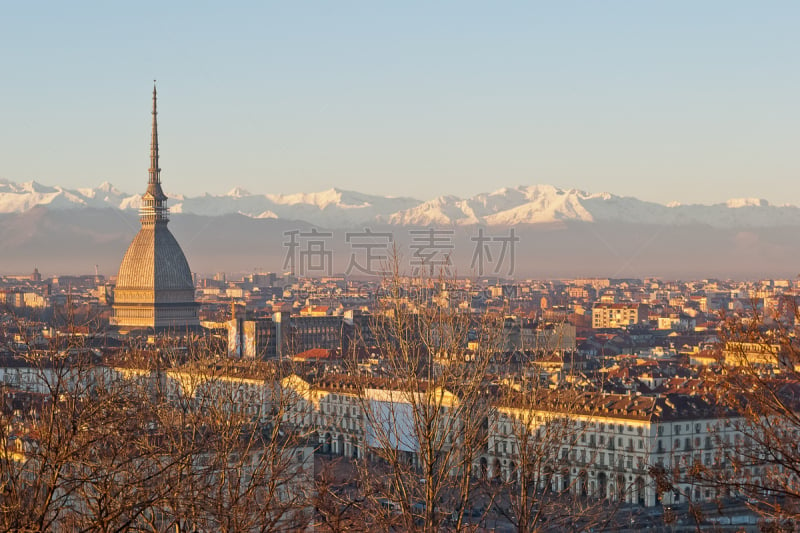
(336, 208)
(18, 198)
(331, 208)
(538, 204)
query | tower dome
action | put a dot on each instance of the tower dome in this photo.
(154, 285)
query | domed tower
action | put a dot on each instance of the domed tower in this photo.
(154, 287)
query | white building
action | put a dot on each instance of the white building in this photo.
(605, 445)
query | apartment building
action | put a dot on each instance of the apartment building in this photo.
(618, 315)
(605, 445)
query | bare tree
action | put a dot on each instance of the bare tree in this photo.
(74, 461)
(757, 380)
(751, 453)
(149, 443)
(426, 424)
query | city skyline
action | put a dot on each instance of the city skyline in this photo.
(687, 103)
(416, 267)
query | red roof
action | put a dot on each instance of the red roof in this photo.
(315, 353)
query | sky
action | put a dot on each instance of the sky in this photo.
(679, 101)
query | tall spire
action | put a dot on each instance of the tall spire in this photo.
(154, 201)
(154, 171)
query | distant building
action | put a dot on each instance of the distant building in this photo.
(618, 315)
(12, 298)
(315, 310)
(282, 335)
(521, 334)
(677, 322)
(257, 338)
(315, 332)
(154, 287)
(32, 299)
(263, 279)
(756, 354)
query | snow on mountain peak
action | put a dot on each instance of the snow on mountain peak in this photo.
(107, 187)
(736, 203)
(604, 195)
(36, 187)
(339, 208)
(238, 192)
(319, 199)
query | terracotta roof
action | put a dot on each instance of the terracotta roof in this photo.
(315, 353)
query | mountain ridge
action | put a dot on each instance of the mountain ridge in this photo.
(340, 208)
(60, 241)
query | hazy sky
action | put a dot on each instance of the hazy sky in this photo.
(674, 101)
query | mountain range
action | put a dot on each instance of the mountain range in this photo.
(337, 208)
(560, 232)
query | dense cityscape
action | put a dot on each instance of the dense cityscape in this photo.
(429, 267)
(624, 378)
(160, 400)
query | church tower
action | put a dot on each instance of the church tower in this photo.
(154, 287)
